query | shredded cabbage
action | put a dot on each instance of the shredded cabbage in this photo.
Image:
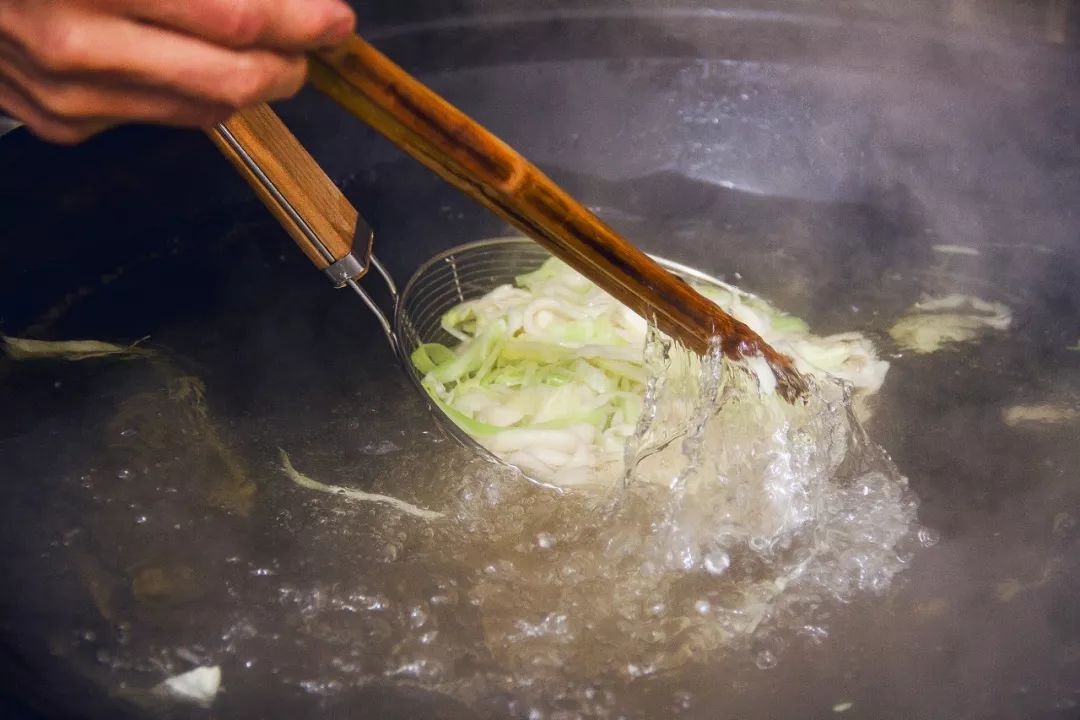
(549, 374)
(352, 494)
(935, 323)
(28, 349)
(1047, 414)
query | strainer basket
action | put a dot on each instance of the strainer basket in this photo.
(464, 273)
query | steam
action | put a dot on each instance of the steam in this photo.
(825, 181)
(822, 182)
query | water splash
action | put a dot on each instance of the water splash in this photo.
(739, 517)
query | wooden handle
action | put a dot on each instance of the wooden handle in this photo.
(297, 177)
(416, 119)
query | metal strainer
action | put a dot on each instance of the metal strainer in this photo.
(462, 273)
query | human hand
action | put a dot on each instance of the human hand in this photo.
(72, 68)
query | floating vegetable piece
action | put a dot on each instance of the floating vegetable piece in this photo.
(925, 334)
(956, 250)
(199, 686)
(359, 495)
(997, 315)
(936, 323)
(28, 349)
(1007, 590)
(1038, 414)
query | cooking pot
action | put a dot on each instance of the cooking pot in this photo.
(831, 156)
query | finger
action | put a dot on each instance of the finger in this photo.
(40, 124)
(288, 25)
(90, 45)
(109, 102)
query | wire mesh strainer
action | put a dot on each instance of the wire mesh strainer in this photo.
(467, 272)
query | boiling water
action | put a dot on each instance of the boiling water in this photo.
(754, 553)
(741, 526)
(739, 520)
(742, 523)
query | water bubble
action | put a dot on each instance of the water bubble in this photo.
(768, 648)
(418, 616)
(717, 562)
(377, 602)
(928, 537)
(682, 700)
(815, 633)
(389, 552)
(447, 597)
(686, 558)
(382, 447)
(319, 687)
(766, 660)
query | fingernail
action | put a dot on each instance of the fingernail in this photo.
(343, 21)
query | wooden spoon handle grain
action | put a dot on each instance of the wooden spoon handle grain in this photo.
(279, 157)
(416, 119)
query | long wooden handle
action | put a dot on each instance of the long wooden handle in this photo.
(317, 202)
(416, 119)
